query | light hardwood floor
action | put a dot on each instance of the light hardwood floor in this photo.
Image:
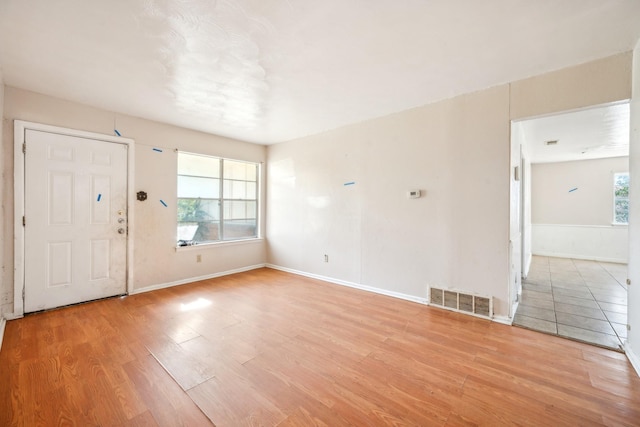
(271, 348)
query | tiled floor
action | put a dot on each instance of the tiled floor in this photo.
(581, 300)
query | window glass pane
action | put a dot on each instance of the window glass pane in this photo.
(252, 190)
(621, 198)
(194, 187)
(239, 170)
(236, 190)
(622, 211)
(195, 210)
(239, 210)
(196, 165)
(200, 232)
(621, 185)
(201, 200)
(239, 229)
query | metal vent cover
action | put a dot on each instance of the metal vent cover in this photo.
(462, 302)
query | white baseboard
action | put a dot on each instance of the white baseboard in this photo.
(351, 284)
(195, 279)
(3, 323)
(527, 266)
(576, 256)
(13, 316)
(505, 320)
(633, 358)
(499, 319)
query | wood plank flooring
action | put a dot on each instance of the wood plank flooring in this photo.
(270, 348)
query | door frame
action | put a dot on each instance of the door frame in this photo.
(19, 132)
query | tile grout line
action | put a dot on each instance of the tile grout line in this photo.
(583, 283)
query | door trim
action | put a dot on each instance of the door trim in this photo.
(19, 131)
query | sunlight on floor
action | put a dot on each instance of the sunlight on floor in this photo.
(199, 303)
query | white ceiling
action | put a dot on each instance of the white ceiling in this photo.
(593, 133)
(272, 70)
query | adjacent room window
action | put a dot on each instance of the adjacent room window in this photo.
(621, 198)
(217, 199)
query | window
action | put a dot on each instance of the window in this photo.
(621, 198)
(217, 199)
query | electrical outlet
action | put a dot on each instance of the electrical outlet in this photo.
(198, 258)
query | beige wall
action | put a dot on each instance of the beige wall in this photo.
(593, 83)
(590, 204)
(156, 261)
(457, 151)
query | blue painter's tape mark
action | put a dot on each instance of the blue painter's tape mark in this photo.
(573, 189)
(117, 133)
(99, 197)
(158, 150)
(350, 183)
(163, 203)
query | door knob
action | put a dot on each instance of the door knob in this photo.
(120, 230)
(120, 220)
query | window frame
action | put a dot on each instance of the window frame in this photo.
(617, 198)
(222, 200)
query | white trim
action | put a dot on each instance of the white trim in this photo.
(13, 316)
(579, 225)
(633, 358)
(528, 266)
(499, 319)
(575, 256)
(505, 320)
(514, 309)
(19, 130)
(3, 323)
(194, 279)
(131, 200)
(211, 245)
(351, 284)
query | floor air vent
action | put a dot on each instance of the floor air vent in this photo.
(462, 302)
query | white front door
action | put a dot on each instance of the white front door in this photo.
(75, 219)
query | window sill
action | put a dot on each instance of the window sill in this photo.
(620, 224)
(218, 244)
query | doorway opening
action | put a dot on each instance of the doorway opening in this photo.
(572, 218)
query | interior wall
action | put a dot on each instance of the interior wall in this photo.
(156, 261)
(633, 341)
(343, 192)
(572, 210)
(591, 203)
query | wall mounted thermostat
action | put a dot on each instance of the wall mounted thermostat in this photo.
(413, 194)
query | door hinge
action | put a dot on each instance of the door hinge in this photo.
(23, 294)
(629, 282)
(24, 147)
(24, 221)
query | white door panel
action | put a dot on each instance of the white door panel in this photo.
(75, 196)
